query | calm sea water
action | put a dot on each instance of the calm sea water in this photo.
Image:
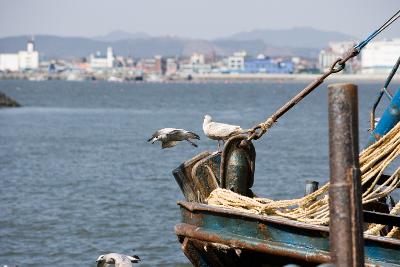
(78, 179)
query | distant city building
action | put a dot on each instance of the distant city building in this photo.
(236, 62)
(9, 62)
(197, 59)
(380, 56)
(261, 64)
(159, 65)
(23, 60)
(154, 65)
(171, 67)
(196, 65)
(334, 51)
(99, 61)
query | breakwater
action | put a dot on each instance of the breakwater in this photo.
(6, 101)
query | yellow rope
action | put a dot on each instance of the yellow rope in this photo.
(375, 229)
(314, 208)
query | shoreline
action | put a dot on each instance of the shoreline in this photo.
(220, 78)
(294, 77)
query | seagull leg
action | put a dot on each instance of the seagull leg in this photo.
(192, 143)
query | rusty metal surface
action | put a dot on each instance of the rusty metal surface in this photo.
(184, 179)
(220, 255)
(381, 218)
(238, 165)
(194, 232)
(199, 176)
(273, 236)
(193, 254)
(204, 209)
(205, 176)
(345, 208)
(196, 207)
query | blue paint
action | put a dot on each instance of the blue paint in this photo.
(268, 65)
(389, 119)
(283, 237)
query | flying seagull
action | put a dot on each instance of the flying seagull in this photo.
(219, 131)
(169, 137)
(119, 260)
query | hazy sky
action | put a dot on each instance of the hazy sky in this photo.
(192, 18)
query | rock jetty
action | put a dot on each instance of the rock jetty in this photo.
(5, 101)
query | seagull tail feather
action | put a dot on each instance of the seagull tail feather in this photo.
(135, 259)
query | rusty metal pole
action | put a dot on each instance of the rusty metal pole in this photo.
(345, 208)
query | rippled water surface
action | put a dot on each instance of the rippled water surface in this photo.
(77, 177)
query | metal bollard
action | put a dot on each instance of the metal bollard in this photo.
(345, 209)
(238, 165)
(311, 187)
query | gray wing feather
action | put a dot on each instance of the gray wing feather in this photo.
(176, 135)
(168, 144)
(216, 129)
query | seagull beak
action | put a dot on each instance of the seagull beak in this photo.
(152, 140)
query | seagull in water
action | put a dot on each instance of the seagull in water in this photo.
(169, 137)
(219, 131)
(119, 260)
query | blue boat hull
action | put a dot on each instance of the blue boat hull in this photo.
(213, 236)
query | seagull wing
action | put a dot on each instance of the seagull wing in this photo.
(176, 135)
(167, 130)
(123, 261)
(168, 144)
(216, 129)
(124, 264)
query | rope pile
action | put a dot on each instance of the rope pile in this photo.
(314, 208)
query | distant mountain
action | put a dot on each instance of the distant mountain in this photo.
(74, 47)
(305, 42)
(50, 46)
(305, 37)
(121, 35)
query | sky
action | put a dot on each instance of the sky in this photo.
(205, 19)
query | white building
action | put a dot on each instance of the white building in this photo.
(99, 61)
(23, 60)
(380, 56)
(196, 65)
(9, 62)
(197, 59)
(171, 67)
(334, 51)
(236, 62)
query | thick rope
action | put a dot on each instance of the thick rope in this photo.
(314, 208)
(375, 229)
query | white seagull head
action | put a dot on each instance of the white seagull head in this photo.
(207, 118)
(100, 258)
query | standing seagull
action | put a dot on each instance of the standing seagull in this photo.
(169, 137)
(119, 260)
(219, 131)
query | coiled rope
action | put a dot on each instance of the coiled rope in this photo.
(314, 208)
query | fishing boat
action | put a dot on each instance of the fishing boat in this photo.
(247, 231)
